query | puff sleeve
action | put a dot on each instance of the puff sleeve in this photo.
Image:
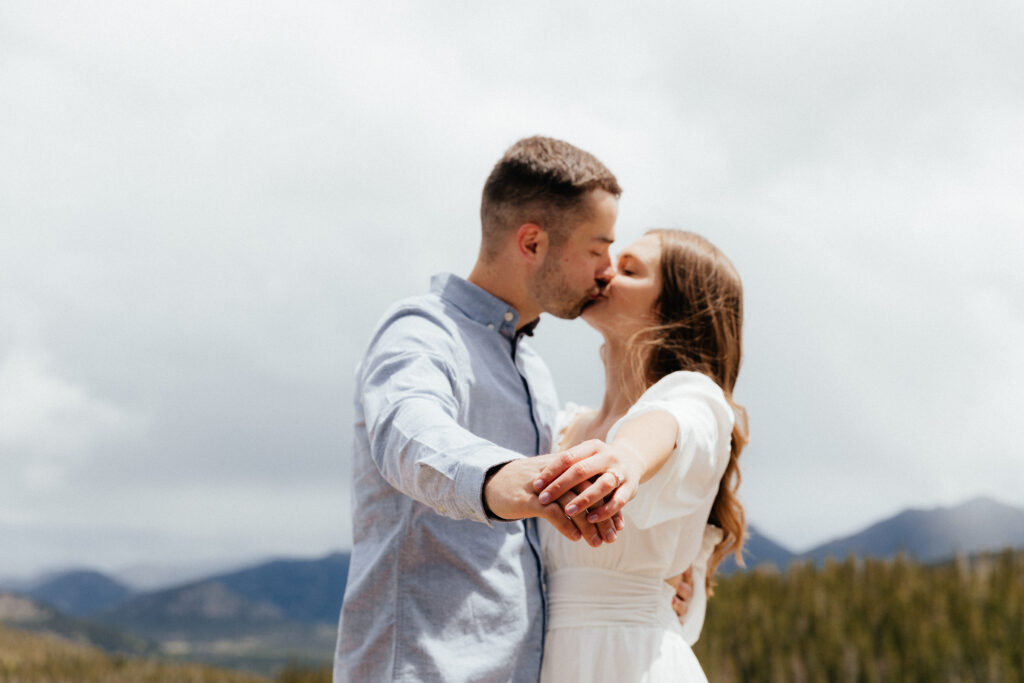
(688, 481)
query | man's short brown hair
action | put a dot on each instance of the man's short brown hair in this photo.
(543, 181)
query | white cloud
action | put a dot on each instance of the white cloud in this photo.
(49, 424)
(216, 202)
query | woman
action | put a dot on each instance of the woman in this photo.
(671, 320)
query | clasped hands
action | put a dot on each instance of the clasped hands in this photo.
(580, 491)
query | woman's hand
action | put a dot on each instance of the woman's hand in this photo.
(614, 470)
(593, 534)
(610, 474)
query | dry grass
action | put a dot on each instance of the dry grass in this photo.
(34, 658)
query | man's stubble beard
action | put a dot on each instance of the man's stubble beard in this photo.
(550, 288)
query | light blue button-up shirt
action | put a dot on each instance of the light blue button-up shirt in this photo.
(437, 592)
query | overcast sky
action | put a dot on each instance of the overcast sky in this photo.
(204, 208)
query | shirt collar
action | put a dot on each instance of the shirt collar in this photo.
(480, 305)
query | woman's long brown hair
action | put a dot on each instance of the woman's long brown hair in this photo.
(700, 324)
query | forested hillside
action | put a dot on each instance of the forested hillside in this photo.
(869, 620)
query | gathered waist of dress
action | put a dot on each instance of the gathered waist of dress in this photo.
(584, 596)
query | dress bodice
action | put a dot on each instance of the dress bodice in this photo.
(666, 528)
(665, 523)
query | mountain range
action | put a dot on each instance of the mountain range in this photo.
(290, 606)
(262, 598)
(80, 593)
(255, 618)
(934, 534)
(926, 535)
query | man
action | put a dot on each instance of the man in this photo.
(450, 401)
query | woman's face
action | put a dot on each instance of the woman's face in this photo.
(628, 302)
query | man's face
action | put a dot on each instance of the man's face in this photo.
(574, 273)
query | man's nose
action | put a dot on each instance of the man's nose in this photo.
(605, 275)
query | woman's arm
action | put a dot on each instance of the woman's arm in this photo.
(640, 448)
(651, 438)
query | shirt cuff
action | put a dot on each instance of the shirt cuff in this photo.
(483, 491)
(471, 479)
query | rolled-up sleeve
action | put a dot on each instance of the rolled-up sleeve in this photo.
(411, 401)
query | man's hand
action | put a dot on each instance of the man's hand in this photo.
(614, 473)
(509, 494)
(683, 585)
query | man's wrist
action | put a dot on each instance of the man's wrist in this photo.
(483, 492)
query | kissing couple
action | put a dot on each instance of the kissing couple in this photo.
(497, 538)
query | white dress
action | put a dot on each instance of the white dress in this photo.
(610, 612)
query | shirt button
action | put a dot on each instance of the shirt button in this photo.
(508, 316)
(490, 326)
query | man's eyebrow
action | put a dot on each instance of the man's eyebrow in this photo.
(606, 240)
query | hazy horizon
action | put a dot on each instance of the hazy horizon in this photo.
(145, 576)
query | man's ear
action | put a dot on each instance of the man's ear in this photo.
(532, 242)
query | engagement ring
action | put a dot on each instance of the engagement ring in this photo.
(619, 479)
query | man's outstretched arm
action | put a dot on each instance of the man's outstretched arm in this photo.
(409, 395)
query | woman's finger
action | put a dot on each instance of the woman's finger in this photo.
(577, 474)
(607, 530)
(553, 514)
(618, 500)
(560, 462)
(587, 530)
(595, 494)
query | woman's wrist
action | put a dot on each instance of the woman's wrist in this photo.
(633, 462)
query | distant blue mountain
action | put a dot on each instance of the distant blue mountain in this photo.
(207, 610)
(263, 598)
(758, 550)
(935, 534)
(23, 612)
(304, 590)
(80, 593)
(930, 535)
